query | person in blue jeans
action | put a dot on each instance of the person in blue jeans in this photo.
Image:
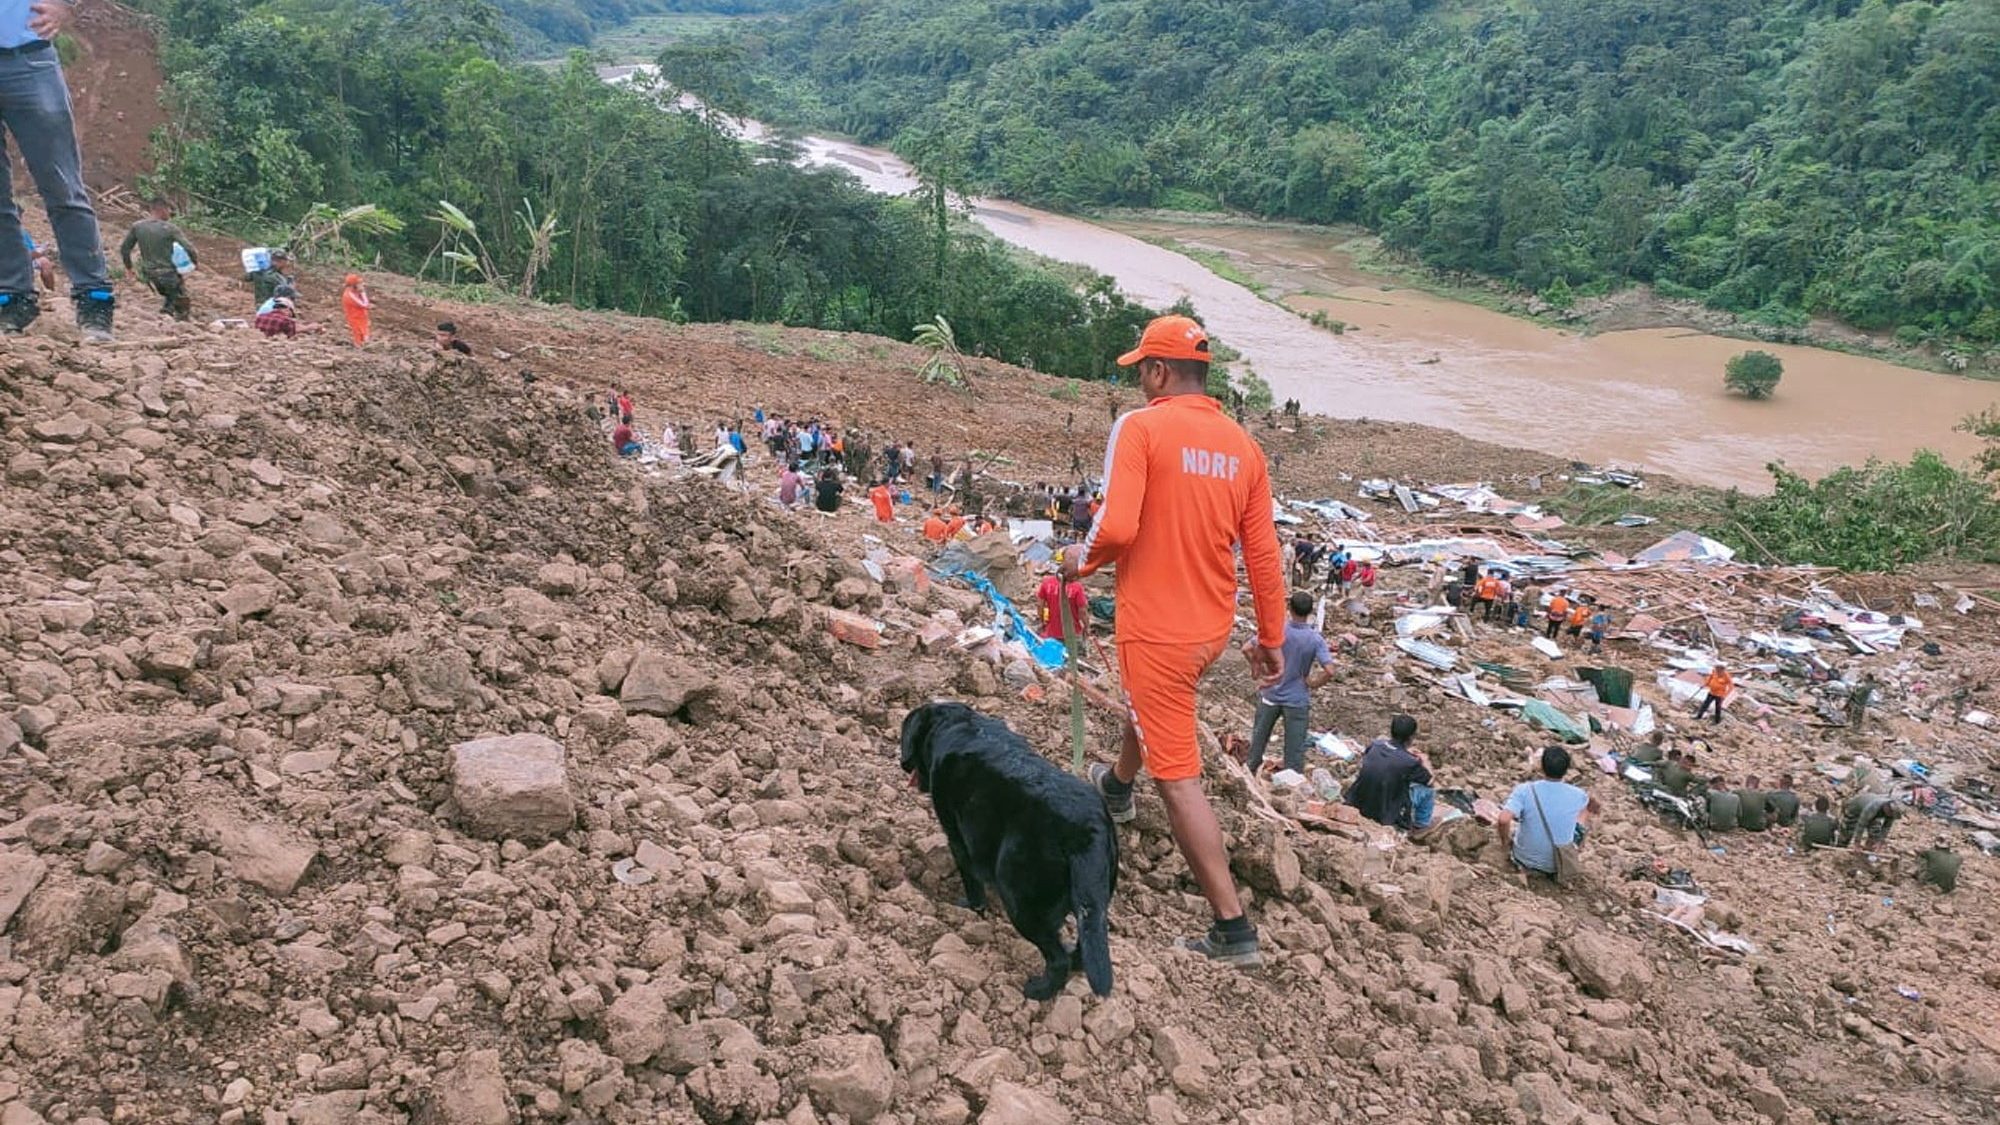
(35, 109)
(1542, 813)
(1394, 784)
(1306, 665)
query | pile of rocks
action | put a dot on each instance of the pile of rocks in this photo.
(378, 749)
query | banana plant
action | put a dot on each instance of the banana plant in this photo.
(459, 246)
(324, 229)
(946, 364)
(542, 237)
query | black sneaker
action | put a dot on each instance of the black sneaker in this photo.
(1226, 949)
(93, 314)
(17, 311)
(1119, 805)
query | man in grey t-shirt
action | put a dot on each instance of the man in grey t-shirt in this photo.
(1541, 814)
(1306, 665)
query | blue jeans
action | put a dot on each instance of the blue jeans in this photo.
(1423, 805)
(34, 107)
(1268, 715)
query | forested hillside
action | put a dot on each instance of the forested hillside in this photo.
(537, 25)
(1772, 157)
(573, 190)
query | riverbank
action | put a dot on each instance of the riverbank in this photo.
(1637, 306)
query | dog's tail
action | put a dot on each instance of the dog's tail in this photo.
(1092, 873)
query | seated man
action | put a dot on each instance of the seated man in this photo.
(934, 526)
(826, 491)
(1753, 813)
(282, 321)
(1817, 829)
(1725, 808)
(1652, 751)
(1784, 802)
(1549, 812)
(1941, 865)
(1393, 786)
(1675, 775)
(623, 440)
(445, 339)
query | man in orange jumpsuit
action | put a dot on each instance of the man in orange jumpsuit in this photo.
(1184, 486)
(354, 302)
(1719, 684)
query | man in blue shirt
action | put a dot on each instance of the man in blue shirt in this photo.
(1306, 665)
(1541, 814)
(34, 105)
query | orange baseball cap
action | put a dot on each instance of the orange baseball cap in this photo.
(353, 279)
(1169, 337)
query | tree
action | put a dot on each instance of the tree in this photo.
(1753, 374)
(1985, 425)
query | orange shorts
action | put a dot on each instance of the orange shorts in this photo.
(1160, 682)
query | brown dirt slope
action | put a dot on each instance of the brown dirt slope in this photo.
(115, 83)
(255, 593)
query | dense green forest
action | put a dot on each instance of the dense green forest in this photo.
(597, 193)
(1771, 157)
(537, 26)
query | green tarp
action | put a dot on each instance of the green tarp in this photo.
(1545, 717)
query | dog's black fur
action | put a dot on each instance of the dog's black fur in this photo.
(1021, 826)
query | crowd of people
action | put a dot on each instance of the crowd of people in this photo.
(1345, 568)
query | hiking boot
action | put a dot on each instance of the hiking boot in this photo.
(93, 315)
(1119, 805)
(1238, 949)
(17, 311)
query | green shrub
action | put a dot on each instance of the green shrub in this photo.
(1876, 517)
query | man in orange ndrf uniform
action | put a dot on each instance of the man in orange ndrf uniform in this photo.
(1720, 684)
(1183, 486)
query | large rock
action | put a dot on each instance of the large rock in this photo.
(1009, 1104)
(1544, 1101)
(474, 1092)
(168, 655)
(639, 1021)
(442, 679)
(20, 873)
(67, 916)
(852, 1077)
(512, 787)
(66, 429)
(658, 685)
(1606, 965)
(261, 855)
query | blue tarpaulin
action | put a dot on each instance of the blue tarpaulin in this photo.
(1046, 652)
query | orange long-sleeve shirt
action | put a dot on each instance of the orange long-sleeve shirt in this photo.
(1183, 485)
(1720, 684)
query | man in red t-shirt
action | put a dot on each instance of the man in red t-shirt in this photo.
(1050, 595)
(884, 501)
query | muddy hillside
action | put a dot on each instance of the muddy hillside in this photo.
(376, 747)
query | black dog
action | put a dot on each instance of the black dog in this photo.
(1018, 824)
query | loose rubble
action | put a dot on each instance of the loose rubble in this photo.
(341, 688)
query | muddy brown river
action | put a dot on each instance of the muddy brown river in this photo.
(1649, 399)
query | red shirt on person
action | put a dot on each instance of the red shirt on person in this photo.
(278, 322)
(885, 504)
(1050, 595)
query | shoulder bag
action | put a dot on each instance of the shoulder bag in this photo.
(1569, 865)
